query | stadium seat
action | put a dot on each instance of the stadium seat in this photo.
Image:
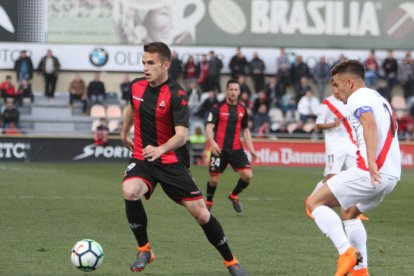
(308, 127)
(291, 127)
(399, 104)
(95, 124)
(114, 112)
(112, 125)
(98, 111)
(276, 114)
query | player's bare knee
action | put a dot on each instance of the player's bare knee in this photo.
(133, 191)
(351, 213)
(213, 181)
(246, 175)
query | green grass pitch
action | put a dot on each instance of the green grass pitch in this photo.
(45, 208)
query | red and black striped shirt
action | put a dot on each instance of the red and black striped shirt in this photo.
(228, 122)
(157, 111)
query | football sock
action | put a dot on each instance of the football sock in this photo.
(331, 225)
(241, 185)
(215, 235)
(317, 187)
(357, 235)
(137, 219)
(210, 191)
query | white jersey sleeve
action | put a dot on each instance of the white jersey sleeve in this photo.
(388, 155)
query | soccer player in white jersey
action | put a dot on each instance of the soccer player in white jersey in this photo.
(364, 186)
(340, 144)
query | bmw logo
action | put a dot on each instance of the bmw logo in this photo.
(98, 57)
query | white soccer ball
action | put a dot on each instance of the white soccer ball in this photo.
(87, 255)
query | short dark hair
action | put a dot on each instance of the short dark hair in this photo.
(350, 66)
(160, 48)
(230, 81)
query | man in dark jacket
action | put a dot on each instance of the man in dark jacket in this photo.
(49, 66)
(23, 67)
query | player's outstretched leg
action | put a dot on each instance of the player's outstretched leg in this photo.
(144, 256)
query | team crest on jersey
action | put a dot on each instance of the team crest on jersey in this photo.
(162, 104)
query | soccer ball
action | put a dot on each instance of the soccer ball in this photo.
(87, 255)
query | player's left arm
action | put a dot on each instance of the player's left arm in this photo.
(179, 139)
(369, 127)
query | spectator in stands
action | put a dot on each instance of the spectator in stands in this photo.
(260, 117)
(302, 88)
(308, 107)
(11, 129)
(383, 89)
(390, 68)
(238, 64)
(260, 99)
(23, 67)
(243, 85)
(49, 66)
(406, 76)
(290, 110)
(299, 70)
(96, 91)
(273, 91)
(341, 57)
(214, 71)
(246, 102)
(257, 68)
(322, 74)
(202, 74)
(176, 69)
(371, 70)
(206, 105)
(264, 130)
(25, 91)
(10, 114)
(197, 141)
(193, 96)
(190, 72)
(126, 89)
(77, 91)
(101, 133)
(283, 72)
(7, 89)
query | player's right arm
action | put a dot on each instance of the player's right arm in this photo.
(212, 120)
(215, 149)
(128, 122)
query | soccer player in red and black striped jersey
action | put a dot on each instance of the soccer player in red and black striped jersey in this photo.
(226, 121)
(159, 114)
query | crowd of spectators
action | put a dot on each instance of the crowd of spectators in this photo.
(285, 102)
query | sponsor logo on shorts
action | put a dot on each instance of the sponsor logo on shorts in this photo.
(195, 193)
(130, 167)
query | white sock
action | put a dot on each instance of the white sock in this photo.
(317, 187)
(357, 236)
(331, 225)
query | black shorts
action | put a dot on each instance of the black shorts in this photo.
(175, 179)
(236, 158)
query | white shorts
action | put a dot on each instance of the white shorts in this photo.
(338, 161)
(353, 187)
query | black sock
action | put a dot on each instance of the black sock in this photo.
(210, 191)
(137, 219)
(241, 185)
(215, 235)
